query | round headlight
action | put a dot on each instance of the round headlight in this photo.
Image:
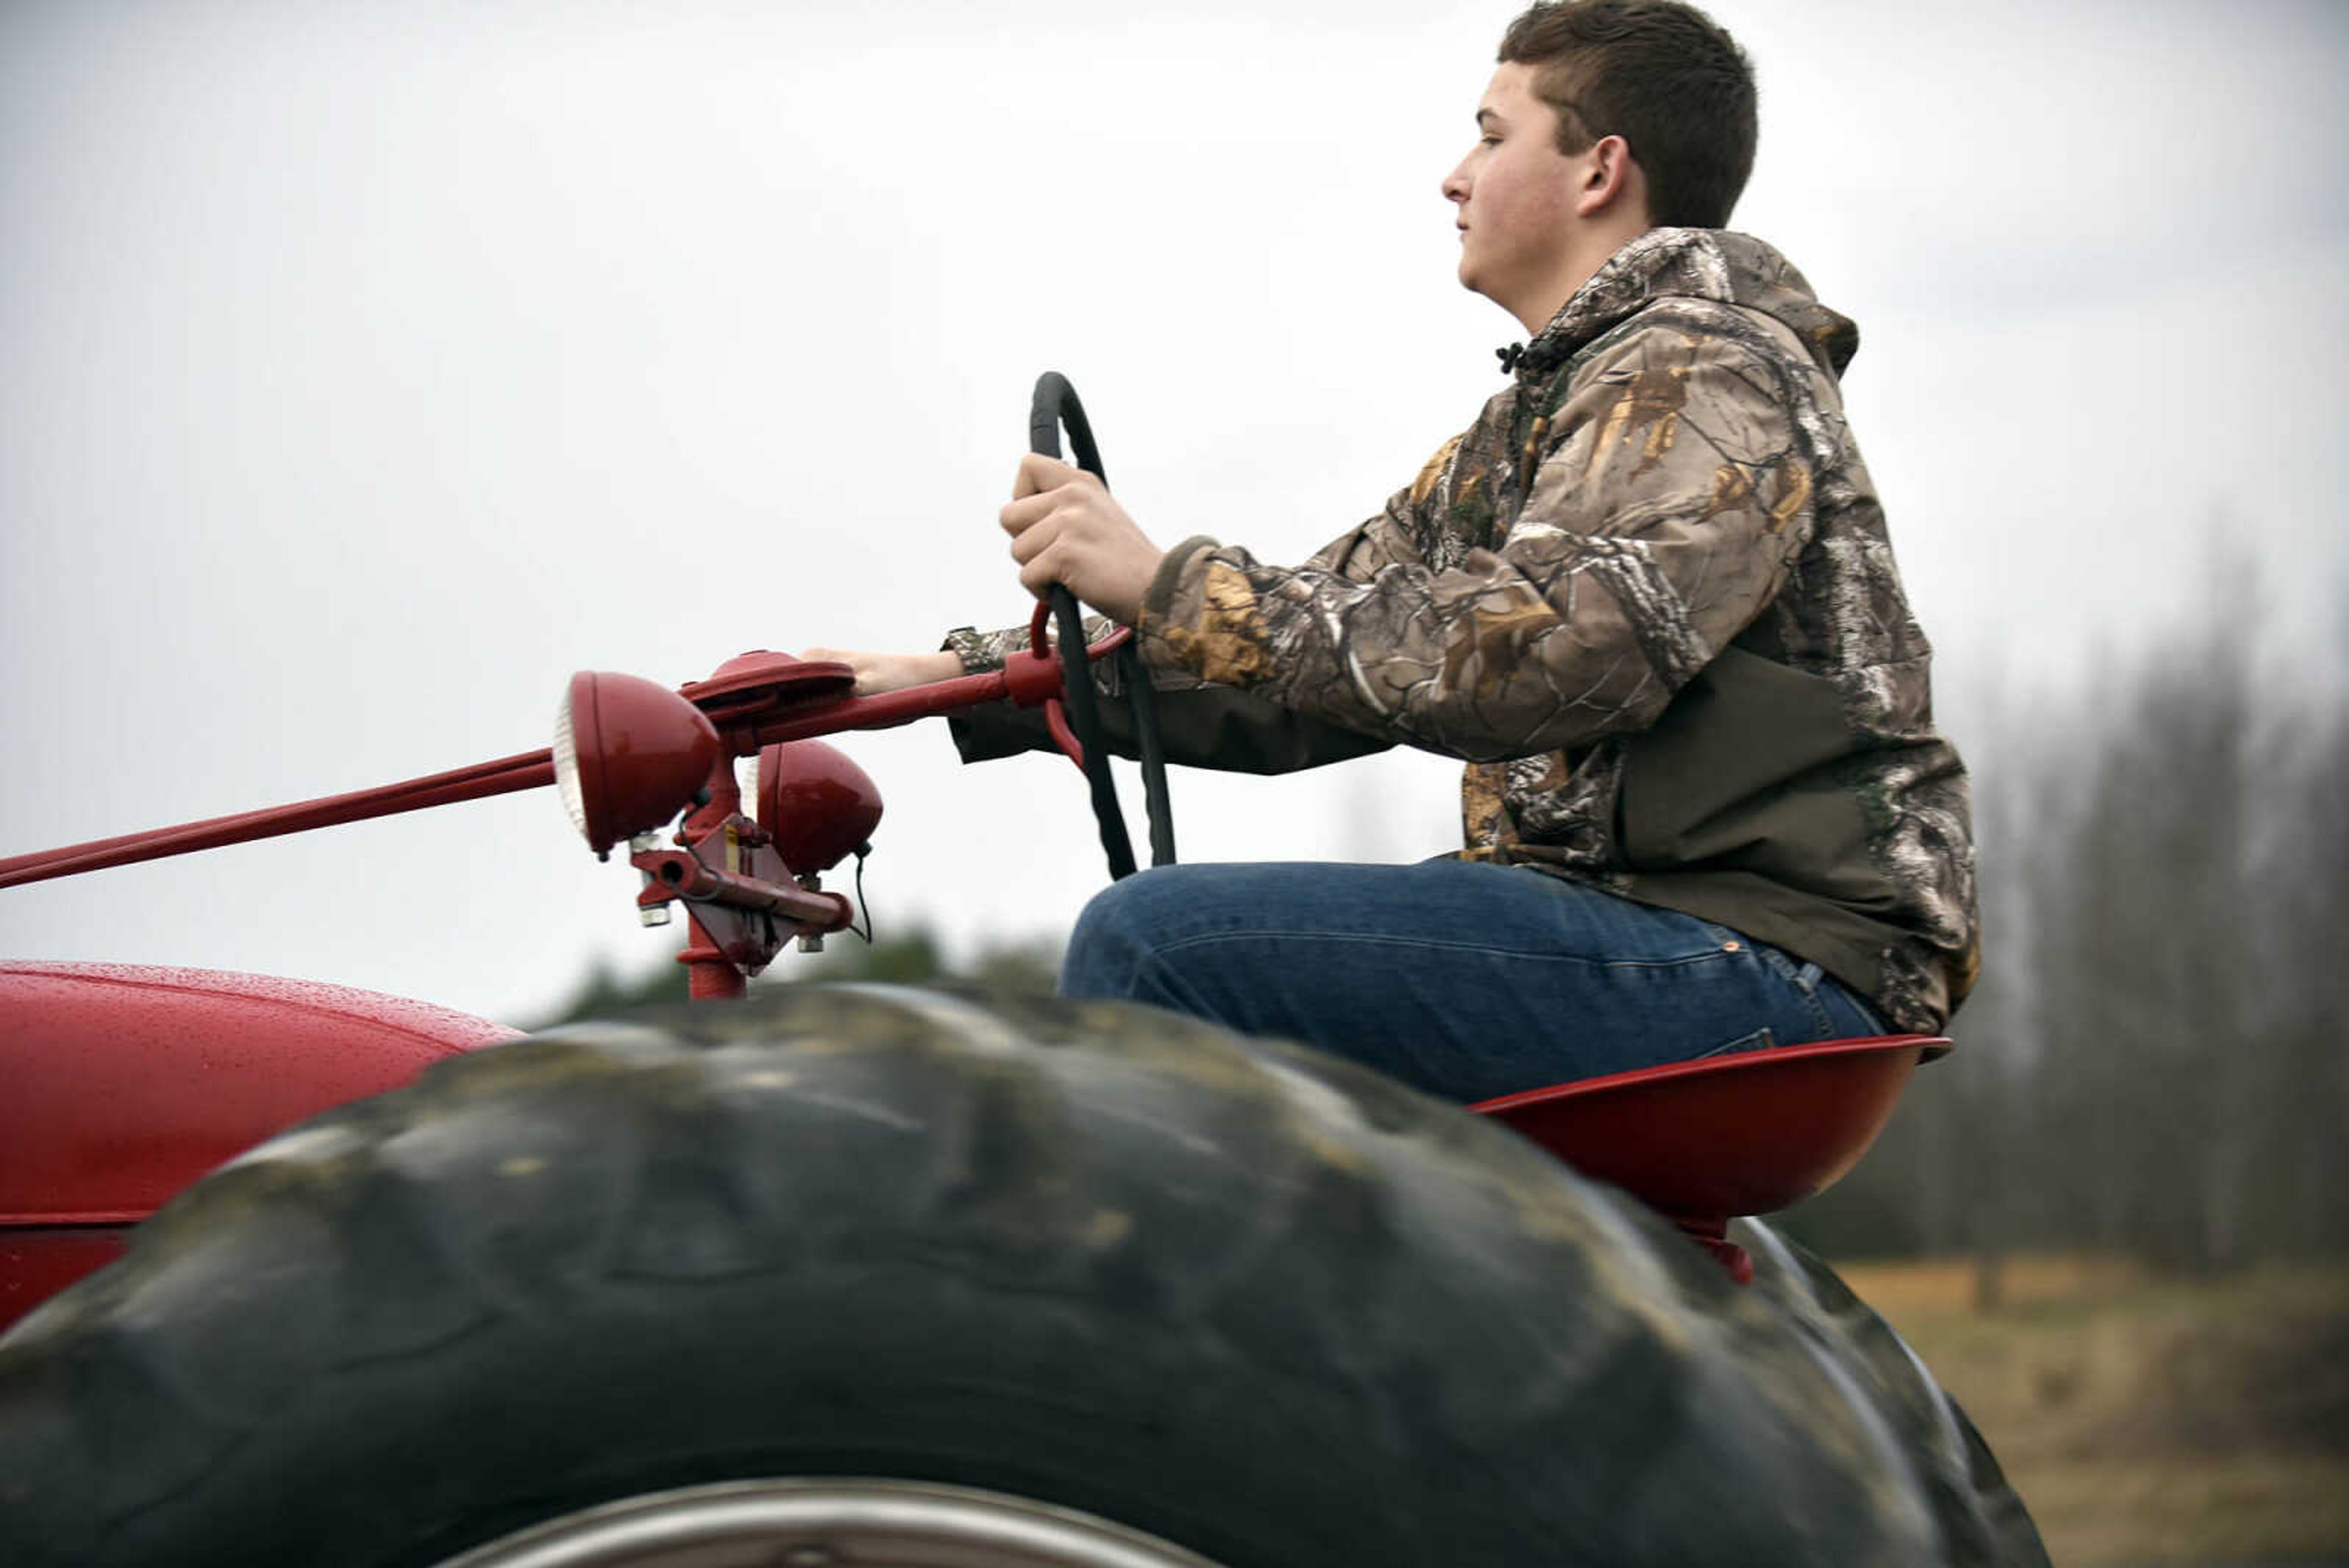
(814, 803)
(628, 755)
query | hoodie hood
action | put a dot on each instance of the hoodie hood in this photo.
(1691, 263)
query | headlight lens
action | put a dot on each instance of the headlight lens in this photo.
(566, 767)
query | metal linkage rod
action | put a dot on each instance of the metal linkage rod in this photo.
(526, 769)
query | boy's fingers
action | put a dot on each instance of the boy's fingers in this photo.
(1038, 473)
(1039, 575)
(1025, 513)
(1028, 543)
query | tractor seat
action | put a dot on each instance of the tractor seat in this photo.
(1703, 1142)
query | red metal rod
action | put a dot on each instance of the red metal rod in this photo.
(1026, 680)
(526, 769)
(710, 974)
(691, 880)
(886, 711)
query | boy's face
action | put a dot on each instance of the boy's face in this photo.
(1516, 194)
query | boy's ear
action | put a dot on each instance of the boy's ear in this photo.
(1608, 175)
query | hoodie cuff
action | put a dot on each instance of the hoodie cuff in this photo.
(981, 651)
(1158, 599)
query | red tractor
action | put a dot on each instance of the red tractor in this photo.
(858, 1276)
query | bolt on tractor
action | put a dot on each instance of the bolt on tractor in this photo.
(833, 1276)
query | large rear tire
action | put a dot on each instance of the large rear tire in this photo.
(1093, 1262)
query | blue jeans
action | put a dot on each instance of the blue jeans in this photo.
(1465, 980)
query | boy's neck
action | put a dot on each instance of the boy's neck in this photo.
(1591, 250)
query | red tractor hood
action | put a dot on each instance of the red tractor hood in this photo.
(120, 1084)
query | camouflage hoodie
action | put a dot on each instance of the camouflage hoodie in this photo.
(1649, 596)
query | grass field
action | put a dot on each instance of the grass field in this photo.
(2148, 1419)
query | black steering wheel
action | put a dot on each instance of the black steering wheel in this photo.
(1055, 405)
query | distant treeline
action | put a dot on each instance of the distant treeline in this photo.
(911, 957)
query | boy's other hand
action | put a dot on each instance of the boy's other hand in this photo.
(879, 673)
(1065, 528)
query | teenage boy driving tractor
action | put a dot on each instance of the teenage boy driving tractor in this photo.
(1648, 597)
(898, 1274)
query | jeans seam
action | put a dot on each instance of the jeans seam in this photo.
(1821, 1018)
(1864, 1009)
(1803, 979)
(1738, 1046)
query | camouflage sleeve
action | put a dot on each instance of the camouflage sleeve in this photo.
(1382, 540)
(1673, 493)
(1203, 724)
(981, 651)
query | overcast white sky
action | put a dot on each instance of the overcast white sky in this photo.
(371, 368)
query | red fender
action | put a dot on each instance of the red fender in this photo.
(120, 1084)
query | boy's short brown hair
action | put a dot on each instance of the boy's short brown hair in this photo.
(1659, 74)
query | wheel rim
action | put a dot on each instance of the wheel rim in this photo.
(828, 1524)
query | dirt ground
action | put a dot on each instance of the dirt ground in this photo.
(2148, 1419)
